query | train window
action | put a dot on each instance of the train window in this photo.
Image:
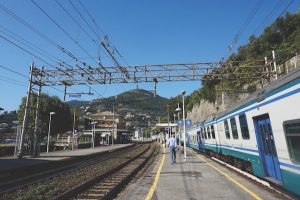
(226, 129)
(208, 132)
(212, 131)
(292, 134)
(204, 132)
(244, 127)
(234, 128)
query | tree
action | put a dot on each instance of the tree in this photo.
(61, 121)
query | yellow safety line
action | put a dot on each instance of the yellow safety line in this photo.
(253, 194)
(153, 186)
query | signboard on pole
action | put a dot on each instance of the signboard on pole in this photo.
(186, 122)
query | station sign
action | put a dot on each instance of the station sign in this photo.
(186, 122)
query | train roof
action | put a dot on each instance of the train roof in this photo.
(266, 91)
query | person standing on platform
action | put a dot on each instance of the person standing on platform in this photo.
(172, 144)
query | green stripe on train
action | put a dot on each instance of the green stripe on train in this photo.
(291, 181)
(253, 159)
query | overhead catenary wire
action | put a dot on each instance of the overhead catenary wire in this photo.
(43, 36)
(269, 15)
(78, 12)
(39, 33)
(25, 50)
(101, 30)
(75, 21)
(13, 71)
(27, 44)
(63, 30)
(12, 81)
(245, 24)
(84, 31)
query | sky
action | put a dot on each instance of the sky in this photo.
(143, 31)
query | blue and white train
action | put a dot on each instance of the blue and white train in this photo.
(260, 135)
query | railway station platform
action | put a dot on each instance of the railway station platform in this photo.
(12, 162)
(199, 177)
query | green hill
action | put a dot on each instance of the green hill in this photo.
(140, 103)
(136, 101)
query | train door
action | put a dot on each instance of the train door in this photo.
(199, 139)
(266, 146)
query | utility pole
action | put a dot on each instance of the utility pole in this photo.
(26, 114)
(37, 132)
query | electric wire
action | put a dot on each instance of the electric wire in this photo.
(78, 12)
(12, 81)
(101, 30)
(269, 15)
(12, 14)
(13, 71)
(75, 21)
(63, 30)
(20, 47)
(245, 24)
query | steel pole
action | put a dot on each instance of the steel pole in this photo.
(113, 132)
(49, 133)
(26, 115)
(184, 137)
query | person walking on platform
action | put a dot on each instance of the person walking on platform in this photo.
(172, 144)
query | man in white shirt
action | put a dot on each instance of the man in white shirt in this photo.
(172, 144)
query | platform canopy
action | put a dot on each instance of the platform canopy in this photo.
(163, 125)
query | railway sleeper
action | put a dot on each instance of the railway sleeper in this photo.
(103, 187)
(95, 195)
(100, 190)
(108, 183)
(85, 199)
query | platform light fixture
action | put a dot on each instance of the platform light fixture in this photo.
(50, 114)
(178, 110)
(182, 93)
(93, 133)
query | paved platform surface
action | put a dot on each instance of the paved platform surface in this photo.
(13, 162)
(197, 178)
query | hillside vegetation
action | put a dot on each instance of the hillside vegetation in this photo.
(283, 36)
(134, 101)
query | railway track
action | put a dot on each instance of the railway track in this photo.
(17, 183)
(108, 185)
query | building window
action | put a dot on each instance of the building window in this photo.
(292, 134)
(244, 127)
(227, 133)
(234, 128)
(212, 131)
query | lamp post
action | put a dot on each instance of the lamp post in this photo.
(51, 113)
(113, 130)
(178, 110)
(168, 122)
(93, 133)
(182, 93)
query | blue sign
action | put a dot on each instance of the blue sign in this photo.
(166, 128)
(188, 122)
(179, 122)
(124, 133)
(182, 122)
